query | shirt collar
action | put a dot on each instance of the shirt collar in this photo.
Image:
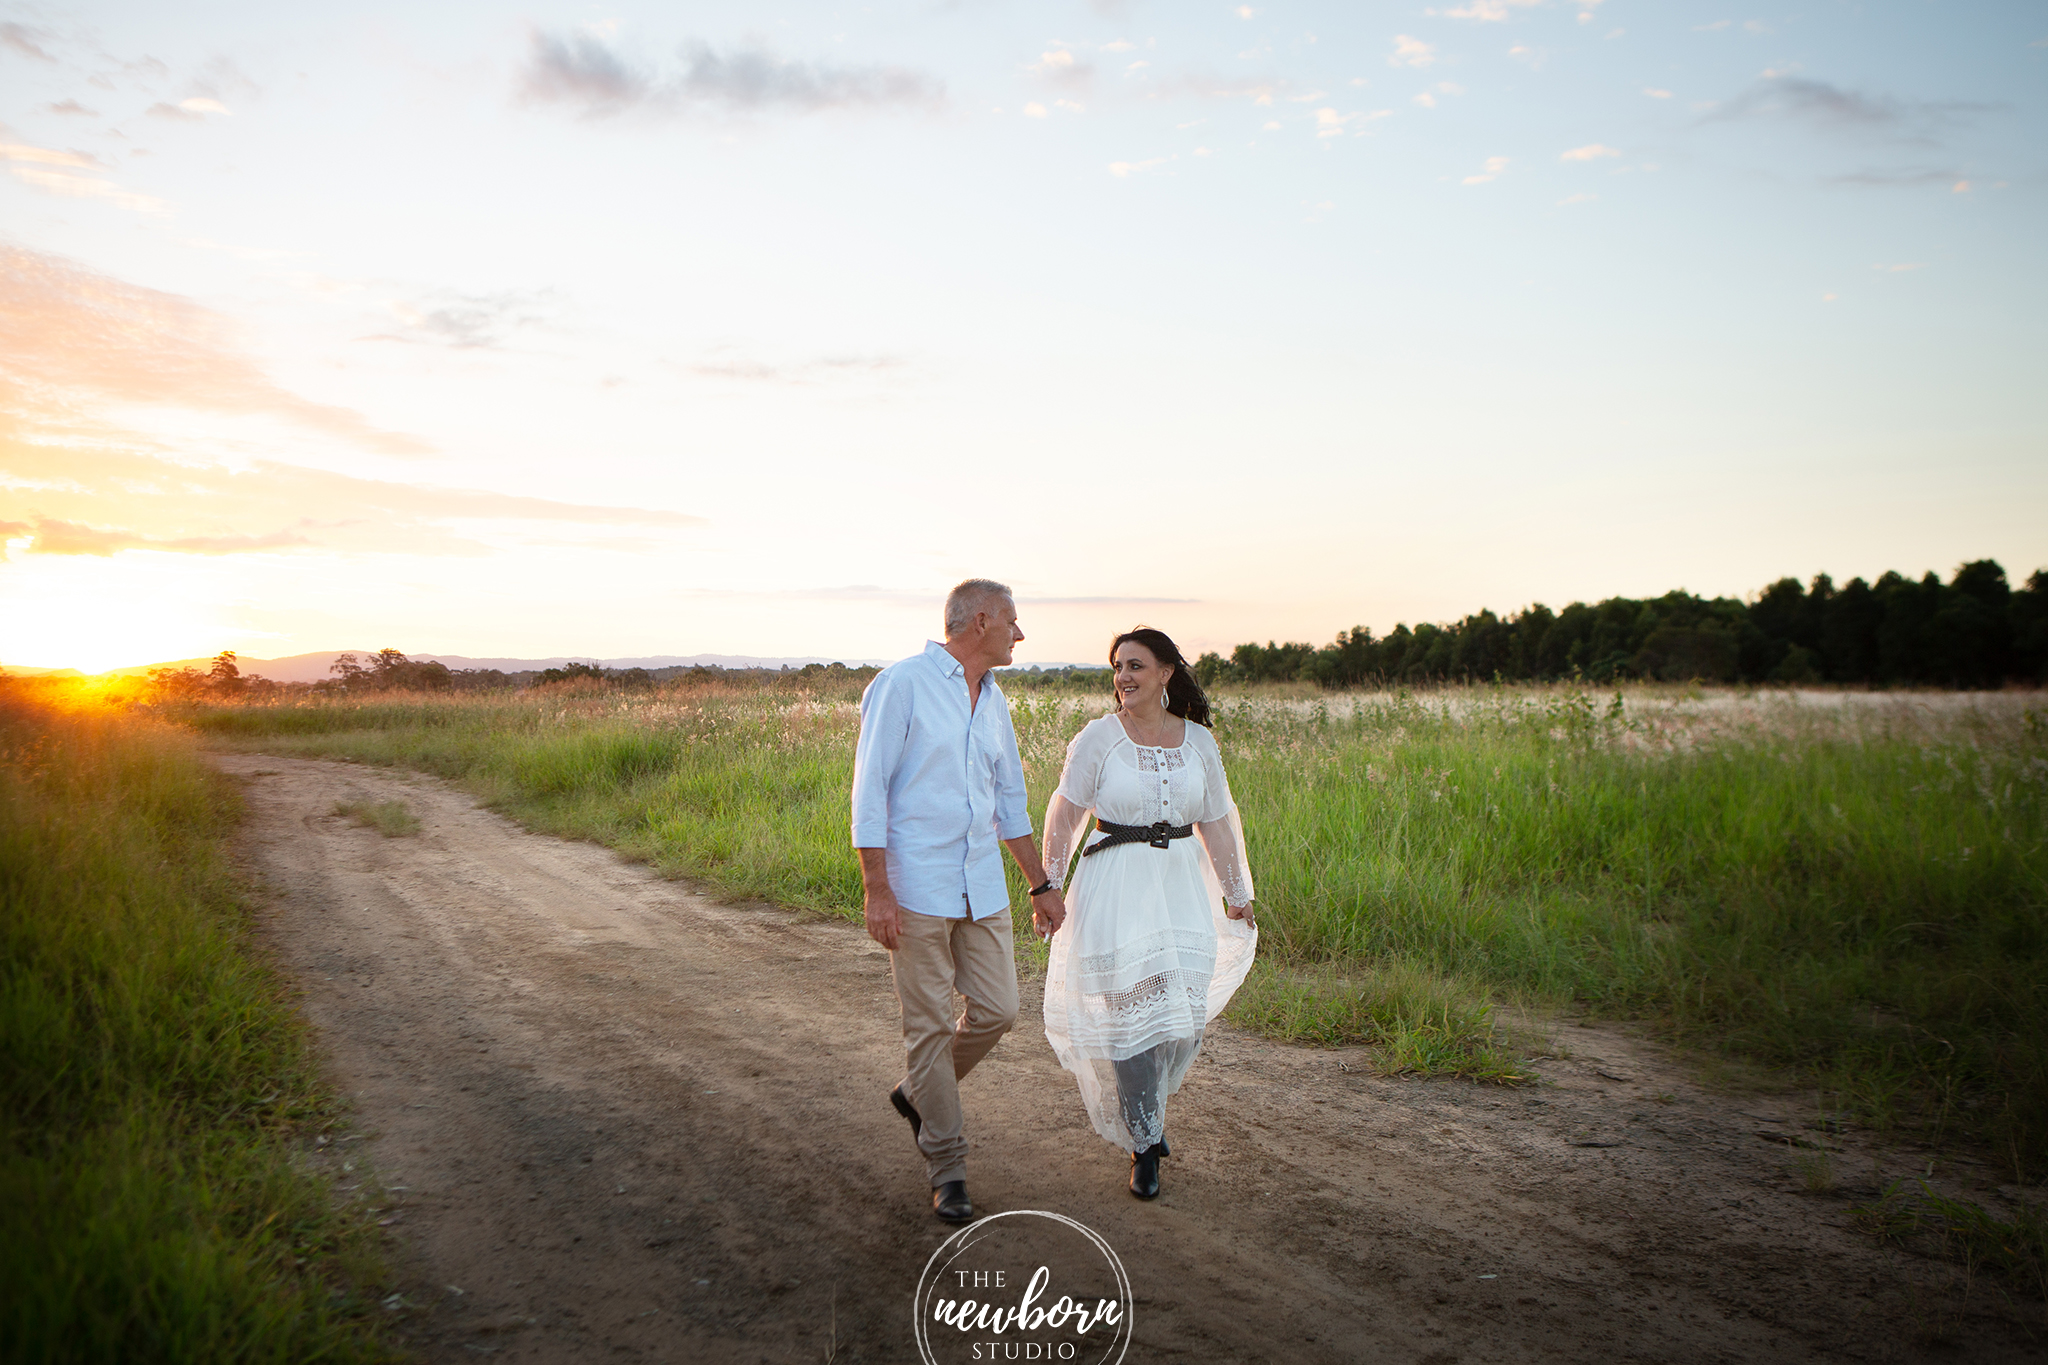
(941, 656)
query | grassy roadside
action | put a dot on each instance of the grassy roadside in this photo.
(153, 1078)
(1858, 891)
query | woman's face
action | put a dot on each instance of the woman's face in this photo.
(1140, 677)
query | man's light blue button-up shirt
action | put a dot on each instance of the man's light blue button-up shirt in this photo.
(938, 783)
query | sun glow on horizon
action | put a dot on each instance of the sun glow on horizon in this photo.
(94, 615)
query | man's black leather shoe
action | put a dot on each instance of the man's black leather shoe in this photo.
(950, 1202)
(907, 1109)
(1145, 1171)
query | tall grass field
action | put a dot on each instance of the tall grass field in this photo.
(154, 1081)
(1852, 885)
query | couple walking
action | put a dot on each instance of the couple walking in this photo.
(1159, 932)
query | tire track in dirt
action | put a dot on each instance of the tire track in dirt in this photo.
(628, 1121)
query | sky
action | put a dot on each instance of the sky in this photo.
(624, 330)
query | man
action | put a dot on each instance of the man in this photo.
(937, 784)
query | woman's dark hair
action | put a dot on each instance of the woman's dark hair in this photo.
(1183, 694)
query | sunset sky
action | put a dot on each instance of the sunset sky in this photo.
(637, 329)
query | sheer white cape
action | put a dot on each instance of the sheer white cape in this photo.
(1147, 956)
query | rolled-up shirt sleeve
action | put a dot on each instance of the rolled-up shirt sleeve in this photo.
(884, 727)
(1013, 815)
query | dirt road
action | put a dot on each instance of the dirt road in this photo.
(627, 1122)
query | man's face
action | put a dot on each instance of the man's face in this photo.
(1000, 633)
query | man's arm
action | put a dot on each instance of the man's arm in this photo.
(883, 914)
(1048, 908)
(884, 729)
(1013, 826)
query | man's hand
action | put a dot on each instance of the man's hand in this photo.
(884, 917)
(1048, 912)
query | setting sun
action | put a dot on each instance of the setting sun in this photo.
(94, 614)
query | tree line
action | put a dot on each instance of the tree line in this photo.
(1973, 631)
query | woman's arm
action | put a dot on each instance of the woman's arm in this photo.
(1064, 823)
(1222, 832)
(1066, 815)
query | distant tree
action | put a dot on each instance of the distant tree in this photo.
(176, 684)
(2029, 612)
(477, 679)
(570, 672)
(225, 679)
(1848, 633)
(1974, 631)
(390, 671)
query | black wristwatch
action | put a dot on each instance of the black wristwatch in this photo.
(1040, 889)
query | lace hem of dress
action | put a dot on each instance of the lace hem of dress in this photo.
(1155, 995)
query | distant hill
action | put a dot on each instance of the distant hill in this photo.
(314, 667)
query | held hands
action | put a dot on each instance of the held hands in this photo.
(1048, 912)
(884, 917)
(1243, 912)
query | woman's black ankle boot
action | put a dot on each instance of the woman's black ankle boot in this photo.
(1145, 1171)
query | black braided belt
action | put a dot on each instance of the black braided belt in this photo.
(1155, 835)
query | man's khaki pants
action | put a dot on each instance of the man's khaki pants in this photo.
(933, 958)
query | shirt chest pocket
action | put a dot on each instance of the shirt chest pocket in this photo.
(984, 758)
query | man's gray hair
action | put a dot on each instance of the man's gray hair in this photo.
(973, 596)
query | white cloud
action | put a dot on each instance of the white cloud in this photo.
(197, 105)
(44, 156)
(1330, 123)
(1592, 151)
(1489, 11)
(1411, 52)
(1714, 27)
(1245, 11)
(1124, 170)
(28, 164)
(1494, 166)
(1426, 100)
(1961, 187)
(1901, 268)
(1654, 93)
(1577, 199)
(1034, 110)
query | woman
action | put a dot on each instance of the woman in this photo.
(1159, 928)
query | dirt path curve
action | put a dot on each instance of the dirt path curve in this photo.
(628, 1122)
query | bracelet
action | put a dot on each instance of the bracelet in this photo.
(1040, 889)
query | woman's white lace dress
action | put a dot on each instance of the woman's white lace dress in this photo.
(1146, 957)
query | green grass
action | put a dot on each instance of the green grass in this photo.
(1959, 1230)
(392, 819)
(1856, 891)
(154, 1081)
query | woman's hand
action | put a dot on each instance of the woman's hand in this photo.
(1243, 912)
